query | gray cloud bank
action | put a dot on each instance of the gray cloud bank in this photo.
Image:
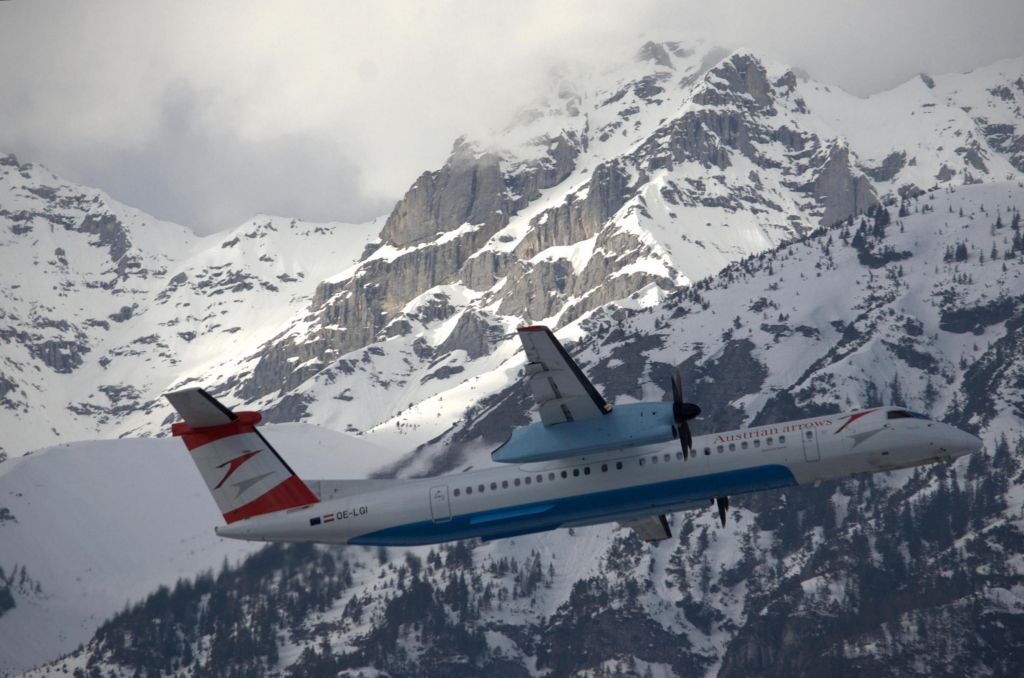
(206, 113)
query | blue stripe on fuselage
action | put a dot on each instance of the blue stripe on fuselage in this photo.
(552, 513)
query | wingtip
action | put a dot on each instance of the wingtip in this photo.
(533, 328)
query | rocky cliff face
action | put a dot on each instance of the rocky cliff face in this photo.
(481, 222)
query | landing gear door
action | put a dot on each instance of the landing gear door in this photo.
(811, 450)
(440, 508)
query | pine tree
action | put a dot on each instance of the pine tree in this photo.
(931, 394)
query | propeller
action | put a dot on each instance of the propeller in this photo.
(723, 508)
(682, 412)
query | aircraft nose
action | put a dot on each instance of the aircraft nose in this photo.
(959, 443)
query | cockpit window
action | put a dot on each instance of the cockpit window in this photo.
(904, 414)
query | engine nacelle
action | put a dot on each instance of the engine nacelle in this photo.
(625, 426)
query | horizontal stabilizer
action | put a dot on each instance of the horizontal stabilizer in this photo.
(199, 409)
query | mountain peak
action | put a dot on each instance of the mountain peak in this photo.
(655, 52)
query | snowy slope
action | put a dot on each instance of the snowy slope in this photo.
(915, 572)
(97, 525)
(104, 303)
(789, 326)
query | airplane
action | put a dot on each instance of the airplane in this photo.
(584, 463)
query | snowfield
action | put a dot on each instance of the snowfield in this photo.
(100, 524)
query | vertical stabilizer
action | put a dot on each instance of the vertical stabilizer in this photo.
(245, 475)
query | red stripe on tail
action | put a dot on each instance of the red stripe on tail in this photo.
(289, 494)
(197, 437)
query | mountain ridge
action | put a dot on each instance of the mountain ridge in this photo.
(692, 232)
(868, 573)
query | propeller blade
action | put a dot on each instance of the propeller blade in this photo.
(681, 413)
(677, 386)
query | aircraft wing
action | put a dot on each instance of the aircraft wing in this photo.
(649, 528)
(563, 393)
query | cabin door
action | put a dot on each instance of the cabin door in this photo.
(440, 509)
(811, 451)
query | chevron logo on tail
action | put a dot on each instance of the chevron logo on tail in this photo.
(233, 465)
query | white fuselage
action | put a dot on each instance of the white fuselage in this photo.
(507, 500)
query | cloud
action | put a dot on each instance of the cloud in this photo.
(205, 113)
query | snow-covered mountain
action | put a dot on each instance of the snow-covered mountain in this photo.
(105, 306)
(652, 175)
(692, 206)
(913, 572)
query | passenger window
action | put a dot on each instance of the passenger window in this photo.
(707, 450)
(782, 439)
(517, 482)
(551, 476)
(810, 435)
(469, 490)
(494, 486)
(618, 466)
(757, 442)
(528, 480)
(504, 484)
(769, 441)
(481, 488)
(654, 459)
(586, 470)
(565, 474)
(604, 468)
(668, 457)
(721, 449)
(732, 447)
(744, 444)
(540, 477)
(575, 473)
(456, 492)
(641, 461)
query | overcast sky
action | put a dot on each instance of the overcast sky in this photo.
(206, 113)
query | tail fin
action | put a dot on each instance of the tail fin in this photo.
(245, 475)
